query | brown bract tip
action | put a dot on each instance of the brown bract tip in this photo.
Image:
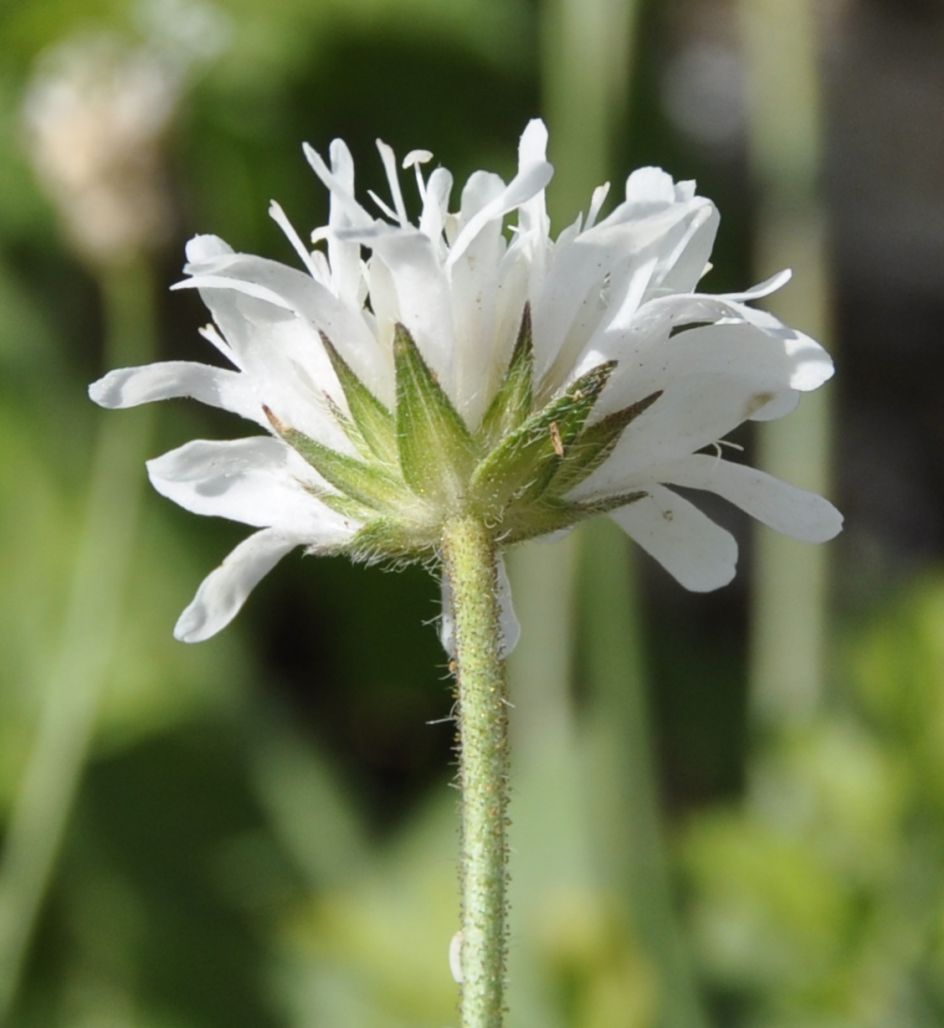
(274, 420)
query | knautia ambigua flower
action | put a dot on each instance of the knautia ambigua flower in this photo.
(467, 362)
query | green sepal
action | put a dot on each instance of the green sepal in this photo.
(604, 504)
(437, 453)
(343, 505)
(594, 444)
(529, 456)
(534, 519)
(369, 485)
(374, 423)
(386, 539)
(511, 405)
(348, 427)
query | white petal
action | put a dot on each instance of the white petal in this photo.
(281, 355)
(247, 287)
(480, 190)
(223, 592)
(707, 391)
(455, 958)
(510, 626)
(290, 290)
(812, 365)
(339, 180)
(690, 259)
(805, 364)
(423, 297)
(684, 257)
(596, 203)
(259, 481)
(476, 282)
(759, 367)
(532, 147)
(701, 555)
(778, 406)
(528, 183)
(271, 316)
(579, 272)
(533, 235)
(692, 413)
(650, 186)
(206, 248)
(436, 205)
(785, 508)
(345, 257)
(447, 618)
(762, 289)
(217, 387)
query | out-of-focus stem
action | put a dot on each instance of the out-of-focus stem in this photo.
(588, 55)
(624, 798)
(790, 615)
(75, 675)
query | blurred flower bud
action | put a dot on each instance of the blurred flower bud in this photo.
(96, 113)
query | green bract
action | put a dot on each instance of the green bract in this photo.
(420, 465)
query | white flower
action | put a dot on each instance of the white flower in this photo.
(413, 371)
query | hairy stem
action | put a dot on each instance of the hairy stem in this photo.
(470, 564)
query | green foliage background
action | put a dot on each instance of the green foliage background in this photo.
(262, 829)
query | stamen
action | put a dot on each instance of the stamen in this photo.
(719, 443)
(414, 159)
(384, 206)
(390, 167)
(281, 219)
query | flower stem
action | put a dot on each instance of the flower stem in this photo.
(469, 557)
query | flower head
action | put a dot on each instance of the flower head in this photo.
(416, 371)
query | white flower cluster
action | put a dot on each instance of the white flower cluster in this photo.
(591, 356)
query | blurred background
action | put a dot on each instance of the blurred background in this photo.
(727, 809)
